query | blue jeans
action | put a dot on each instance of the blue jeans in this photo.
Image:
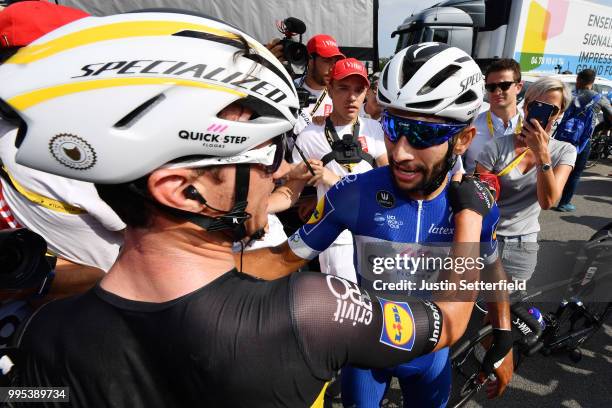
(572, 180)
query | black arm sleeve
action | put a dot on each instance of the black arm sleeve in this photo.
(337, 323)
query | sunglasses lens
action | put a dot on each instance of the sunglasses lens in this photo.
(504, 86)
(419, 134)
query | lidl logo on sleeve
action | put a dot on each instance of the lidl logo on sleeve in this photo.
(319, 211)
(323, 209)
(398, 325)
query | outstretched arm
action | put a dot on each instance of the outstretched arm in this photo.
(271, 263)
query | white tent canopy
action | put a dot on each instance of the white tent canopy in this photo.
(353, 23)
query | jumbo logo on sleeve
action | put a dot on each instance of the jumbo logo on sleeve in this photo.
(398, 325)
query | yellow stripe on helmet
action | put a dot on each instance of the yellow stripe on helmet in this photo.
(29, 99)
(112, 31)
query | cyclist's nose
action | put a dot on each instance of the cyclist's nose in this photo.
(402, 151)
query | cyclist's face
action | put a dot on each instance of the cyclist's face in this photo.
(219, 185)
(412, 168)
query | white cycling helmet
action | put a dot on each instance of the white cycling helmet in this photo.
(110, 99)
(434, 79)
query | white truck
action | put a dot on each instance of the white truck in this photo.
(549, 36)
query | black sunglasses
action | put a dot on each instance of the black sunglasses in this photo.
(504, 86)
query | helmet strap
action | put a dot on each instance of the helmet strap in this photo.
(232, 220)
(449, 162)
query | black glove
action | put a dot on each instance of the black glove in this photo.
(472, 194)
(502, 344)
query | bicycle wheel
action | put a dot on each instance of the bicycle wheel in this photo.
(598, 147)
(465, 367)
(575, 324)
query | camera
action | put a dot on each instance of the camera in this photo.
(346, 150)
(22, 256)
(294, 52)
(305, 97)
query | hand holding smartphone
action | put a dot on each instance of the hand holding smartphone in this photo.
(541, 111)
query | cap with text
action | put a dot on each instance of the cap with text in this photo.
(347, 67)
(323, 45)
(24, 22)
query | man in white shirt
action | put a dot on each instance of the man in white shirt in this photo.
(358, 146)
(323, 52)
(503, 84)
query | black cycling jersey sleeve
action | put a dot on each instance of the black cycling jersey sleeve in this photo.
(337, 323)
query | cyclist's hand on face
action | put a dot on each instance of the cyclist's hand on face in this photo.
(469, 193)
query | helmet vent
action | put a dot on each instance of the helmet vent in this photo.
(463, 59)
(258, 107)
(385, 77)
(132, 117)
(263, 61)
(424, 105)
(237, 44)
(8, 113)
(437, 79)
(469, 96)
(409, 68)
(210, 37)
(382, 97)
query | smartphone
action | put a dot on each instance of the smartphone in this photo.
(540, 111)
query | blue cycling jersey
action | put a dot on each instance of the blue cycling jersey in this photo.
(381, 219)
(384, 224)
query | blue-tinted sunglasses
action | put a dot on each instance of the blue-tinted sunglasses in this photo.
(420, 134)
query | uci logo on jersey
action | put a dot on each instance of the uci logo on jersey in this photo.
(398, 325)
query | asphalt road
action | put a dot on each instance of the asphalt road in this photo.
(555, 381)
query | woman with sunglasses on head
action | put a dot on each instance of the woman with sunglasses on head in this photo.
(532, 169)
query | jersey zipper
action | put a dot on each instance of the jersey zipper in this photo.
(418, 226)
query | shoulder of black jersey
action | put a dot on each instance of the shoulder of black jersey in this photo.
(49, 318)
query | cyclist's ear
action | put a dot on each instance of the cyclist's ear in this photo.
(464, 139)
(167, 186)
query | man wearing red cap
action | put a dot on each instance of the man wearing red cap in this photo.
(323, 53)
(345, 144)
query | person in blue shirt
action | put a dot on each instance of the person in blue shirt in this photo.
(430, 93)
